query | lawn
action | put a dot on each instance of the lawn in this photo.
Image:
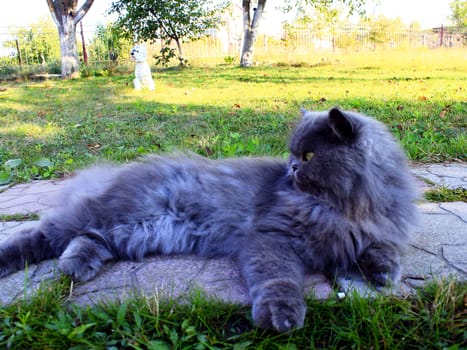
(48, 129)
(432, 319)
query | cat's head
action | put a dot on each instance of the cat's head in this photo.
(344, 156)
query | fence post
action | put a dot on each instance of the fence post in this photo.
(441, 34)
(333, 39)
(20, 59)
(85, 53)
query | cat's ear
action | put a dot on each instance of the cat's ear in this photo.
(341, 125)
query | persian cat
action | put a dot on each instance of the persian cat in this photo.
(343, 200)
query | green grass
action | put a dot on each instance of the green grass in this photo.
(54, 127)
(432, 319)
(443, 194)
(18, 217)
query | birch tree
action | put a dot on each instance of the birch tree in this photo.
(252, 17)
(66, 14)
(251, 20)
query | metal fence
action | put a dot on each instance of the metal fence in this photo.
(41, 48)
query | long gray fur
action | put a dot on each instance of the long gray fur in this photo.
(343, 200)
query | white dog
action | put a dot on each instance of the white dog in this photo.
(143, 75)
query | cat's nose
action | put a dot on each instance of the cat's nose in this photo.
(294, 167)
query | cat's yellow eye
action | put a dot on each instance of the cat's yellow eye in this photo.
(307, 156)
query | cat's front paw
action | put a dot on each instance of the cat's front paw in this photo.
(83, 259)
(281, 315)
(380, 265)
(79, 269)
(380, 279)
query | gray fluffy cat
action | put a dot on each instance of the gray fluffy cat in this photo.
(344, 199)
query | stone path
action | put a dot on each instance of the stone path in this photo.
(438, 249)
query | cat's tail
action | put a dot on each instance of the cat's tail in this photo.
(29, 246)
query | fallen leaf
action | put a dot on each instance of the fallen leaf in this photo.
(94, 146)
(209, 151)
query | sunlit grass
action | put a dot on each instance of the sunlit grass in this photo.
(28, 130)
(226, 111)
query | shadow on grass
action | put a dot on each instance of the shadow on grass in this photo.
(74, 123)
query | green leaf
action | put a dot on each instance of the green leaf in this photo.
(158, 345)
(43, 163)
(242, 345)
(137, 318)
(78, 332)
(5, 178)
(13, 163)
(121, 314)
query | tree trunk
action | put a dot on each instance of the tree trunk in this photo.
(181, 59)
(83, 42)
(68, 49)
(66, 16)
(250, 29)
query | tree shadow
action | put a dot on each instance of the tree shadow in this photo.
(83, 121)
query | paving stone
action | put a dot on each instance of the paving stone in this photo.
(167, 277)
(435, 230)
(29, 198)
(431, 208)
(422, 264)
(24, 283)
(454, 170)
(10, 227)
(452, 175)
(456, 255)
(459, 209)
